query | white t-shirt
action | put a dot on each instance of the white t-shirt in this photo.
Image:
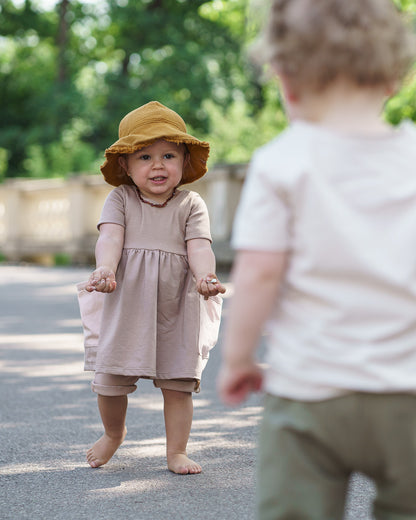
(344, 209)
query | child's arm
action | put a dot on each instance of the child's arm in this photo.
(256, 276)
(202, 263)
(107, 254)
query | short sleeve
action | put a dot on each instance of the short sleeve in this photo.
(197, 224)
(263, 215)
(113, 211)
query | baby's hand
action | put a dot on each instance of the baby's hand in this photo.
(103, 280)
(235, 383)
(209, 285)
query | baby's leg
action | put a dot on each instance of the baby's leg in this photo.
(178, 411)
(113, 414)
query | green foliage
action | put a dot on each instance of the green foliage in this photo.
(165, 50)
(408, 6)
(4, 157)
(68, 74)
(403, 104)
(237, 131)
(57, 159)
(36, 106)
(68, 155)
(62, 259)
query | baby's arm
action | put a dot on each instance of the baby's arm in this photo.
(202, 263)
(256, 277)
(107, 254)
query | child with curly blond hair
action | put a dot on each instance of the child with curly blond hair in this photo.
(326, 255)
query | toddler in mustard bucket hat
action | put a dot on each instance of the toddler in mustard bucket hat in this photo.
(151, 309)
(144, 126)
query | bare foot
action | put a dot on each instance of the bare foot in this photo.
(180, 463)
(102, 451)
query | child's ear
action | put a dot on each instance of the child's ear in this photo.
(392, 88)
(289, 92)
(186, 160)
(122, 161)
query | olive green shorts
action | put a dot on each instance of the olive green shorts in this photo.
(308, 450)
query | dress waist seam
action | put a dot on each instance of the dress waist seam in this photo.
(129, 249)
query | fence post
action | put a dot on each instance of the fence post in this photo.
(77, 205)
(12, 219)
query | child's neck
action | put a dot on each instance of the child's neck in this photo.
(345, 109)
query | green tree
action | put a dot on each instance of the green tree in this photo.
(69, 73)
(37, 81)
(167, 50)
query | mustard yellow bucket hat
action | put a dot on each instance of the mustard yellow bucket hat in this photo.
(144, 126)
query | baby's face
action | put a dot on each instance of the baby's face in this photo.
(156, 169)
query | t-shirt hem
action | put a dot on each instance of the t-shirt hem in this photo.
(310, 393)
(259, 246)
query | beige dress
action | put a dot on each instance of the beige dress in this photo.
(155, 324)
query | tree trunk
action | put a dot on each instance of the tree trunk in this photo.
(62, 40)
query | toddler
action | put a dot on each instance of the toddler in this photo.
(326, 241)
(150, 309)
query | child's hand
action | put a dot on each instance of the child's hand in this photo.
(235, 384)
(103, 280)
(209, 285)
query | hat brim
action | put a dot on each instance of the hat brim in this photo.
(194, 168)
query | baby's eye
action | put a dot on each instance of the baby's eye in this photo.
(144, 157)
(169, 155)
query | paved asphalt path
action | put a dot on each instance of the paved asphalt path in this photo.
(49, 418)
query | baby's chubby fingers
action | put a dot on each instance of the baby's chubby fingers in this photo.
(214, 285)
(210, 286)
(102, 280)
(235, 384)
(105, 285)
(220, 287)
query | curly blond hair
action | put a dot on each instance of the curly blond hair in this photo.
(314, 42)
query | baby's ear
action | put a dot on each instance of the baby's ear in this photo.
(289, 91)
(392, 88)
(122, 161)
(186, 158)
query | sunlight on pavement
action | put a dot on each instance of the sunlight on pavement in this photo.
(41, 370)
(69, 341)
(33, 367)
(27, 274)
(225, 420)
(21, 469)
(131, 486)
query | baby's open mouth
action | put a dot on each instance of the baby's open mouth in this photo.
(158, 179)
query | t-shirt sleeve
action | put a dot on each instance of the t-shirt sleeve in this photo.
(113, 211)
(263, 214)
(197, 224)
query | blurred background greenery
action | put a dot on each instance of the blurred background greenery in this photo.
(71, 69)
